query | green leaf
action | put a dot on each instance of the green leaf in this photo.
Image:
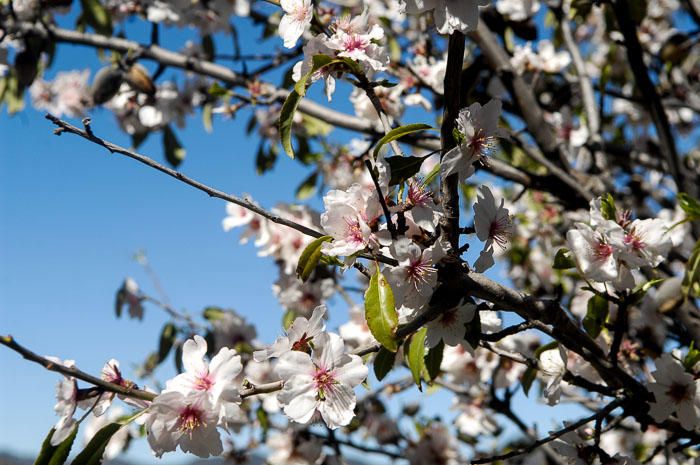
(596, 315)
(398, 133)
(473, 331)
(288, 319)
(383, 363)
(291, 104)
(607, 207)
(263, 419)
(318, 62)
(528, 378)
(174, 152)
(310, 257)
(217, 90)
(55, 455)
(430, 177)
(308, 187)
(62, 451)
(287, 121)
(97, 16)
(213, 314)
(415, 358)
(380, 311)
(207, 117)
(93, 452)
(563, 260)
(641, 290)
(167, 339)
(433, 360)
(691, 280)
(690, 206)
(404, 168)
(692, 358)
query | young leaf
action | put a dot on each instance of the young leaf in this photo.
(213, 314)
(167, 339)
(607, 207)
(404, 168)
(55, 455)
(398, 133)
(174, 152)
(287, 120)
(691, 280)
(527, 379)
(563, 260)
(596, 315)
(383, 363)
(416, 355)
(308, 187)
(380, 311)
(433, 360)
(97, 16)
(61, 452)
(93, 452)
(690, 206)
(310, 257)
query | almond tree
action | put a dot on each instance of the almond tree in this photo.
(561, 134)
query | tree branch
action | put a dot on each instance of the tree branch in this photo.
(572, 427)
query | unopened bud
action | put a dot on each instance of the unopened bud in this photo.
(106, 84)
(137, 77)
(26, 67)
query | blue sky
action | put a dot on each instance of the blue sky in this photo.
(71, 218)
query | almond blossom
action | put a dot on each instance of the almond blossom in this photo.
(478, 126)
(415, 278)
(347, 218)
(493, 226)
(450, 326)
(213, 379)
(297, 17)
(322, 382)
(552, 365)
(450, 15)
(300, 336)
(67, 403)
(186, 420)
(675, 391)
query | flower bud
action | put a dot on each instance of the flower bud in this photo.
(106, 84)
(137, 77)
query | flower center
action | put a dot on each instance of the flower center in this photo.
(300, 14)
(190, 419)
(302, 345)
(418, 271)
(500, 230)
(634, 240)
(418, 195)
(203, 383)
(448, 318)
(602, 250)
(354, 42)
(353, 232)
(480, 143)
(323, 380)
(678, 393)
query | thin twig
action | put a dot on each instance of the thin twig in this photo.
(382, 200)
(572, 427)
